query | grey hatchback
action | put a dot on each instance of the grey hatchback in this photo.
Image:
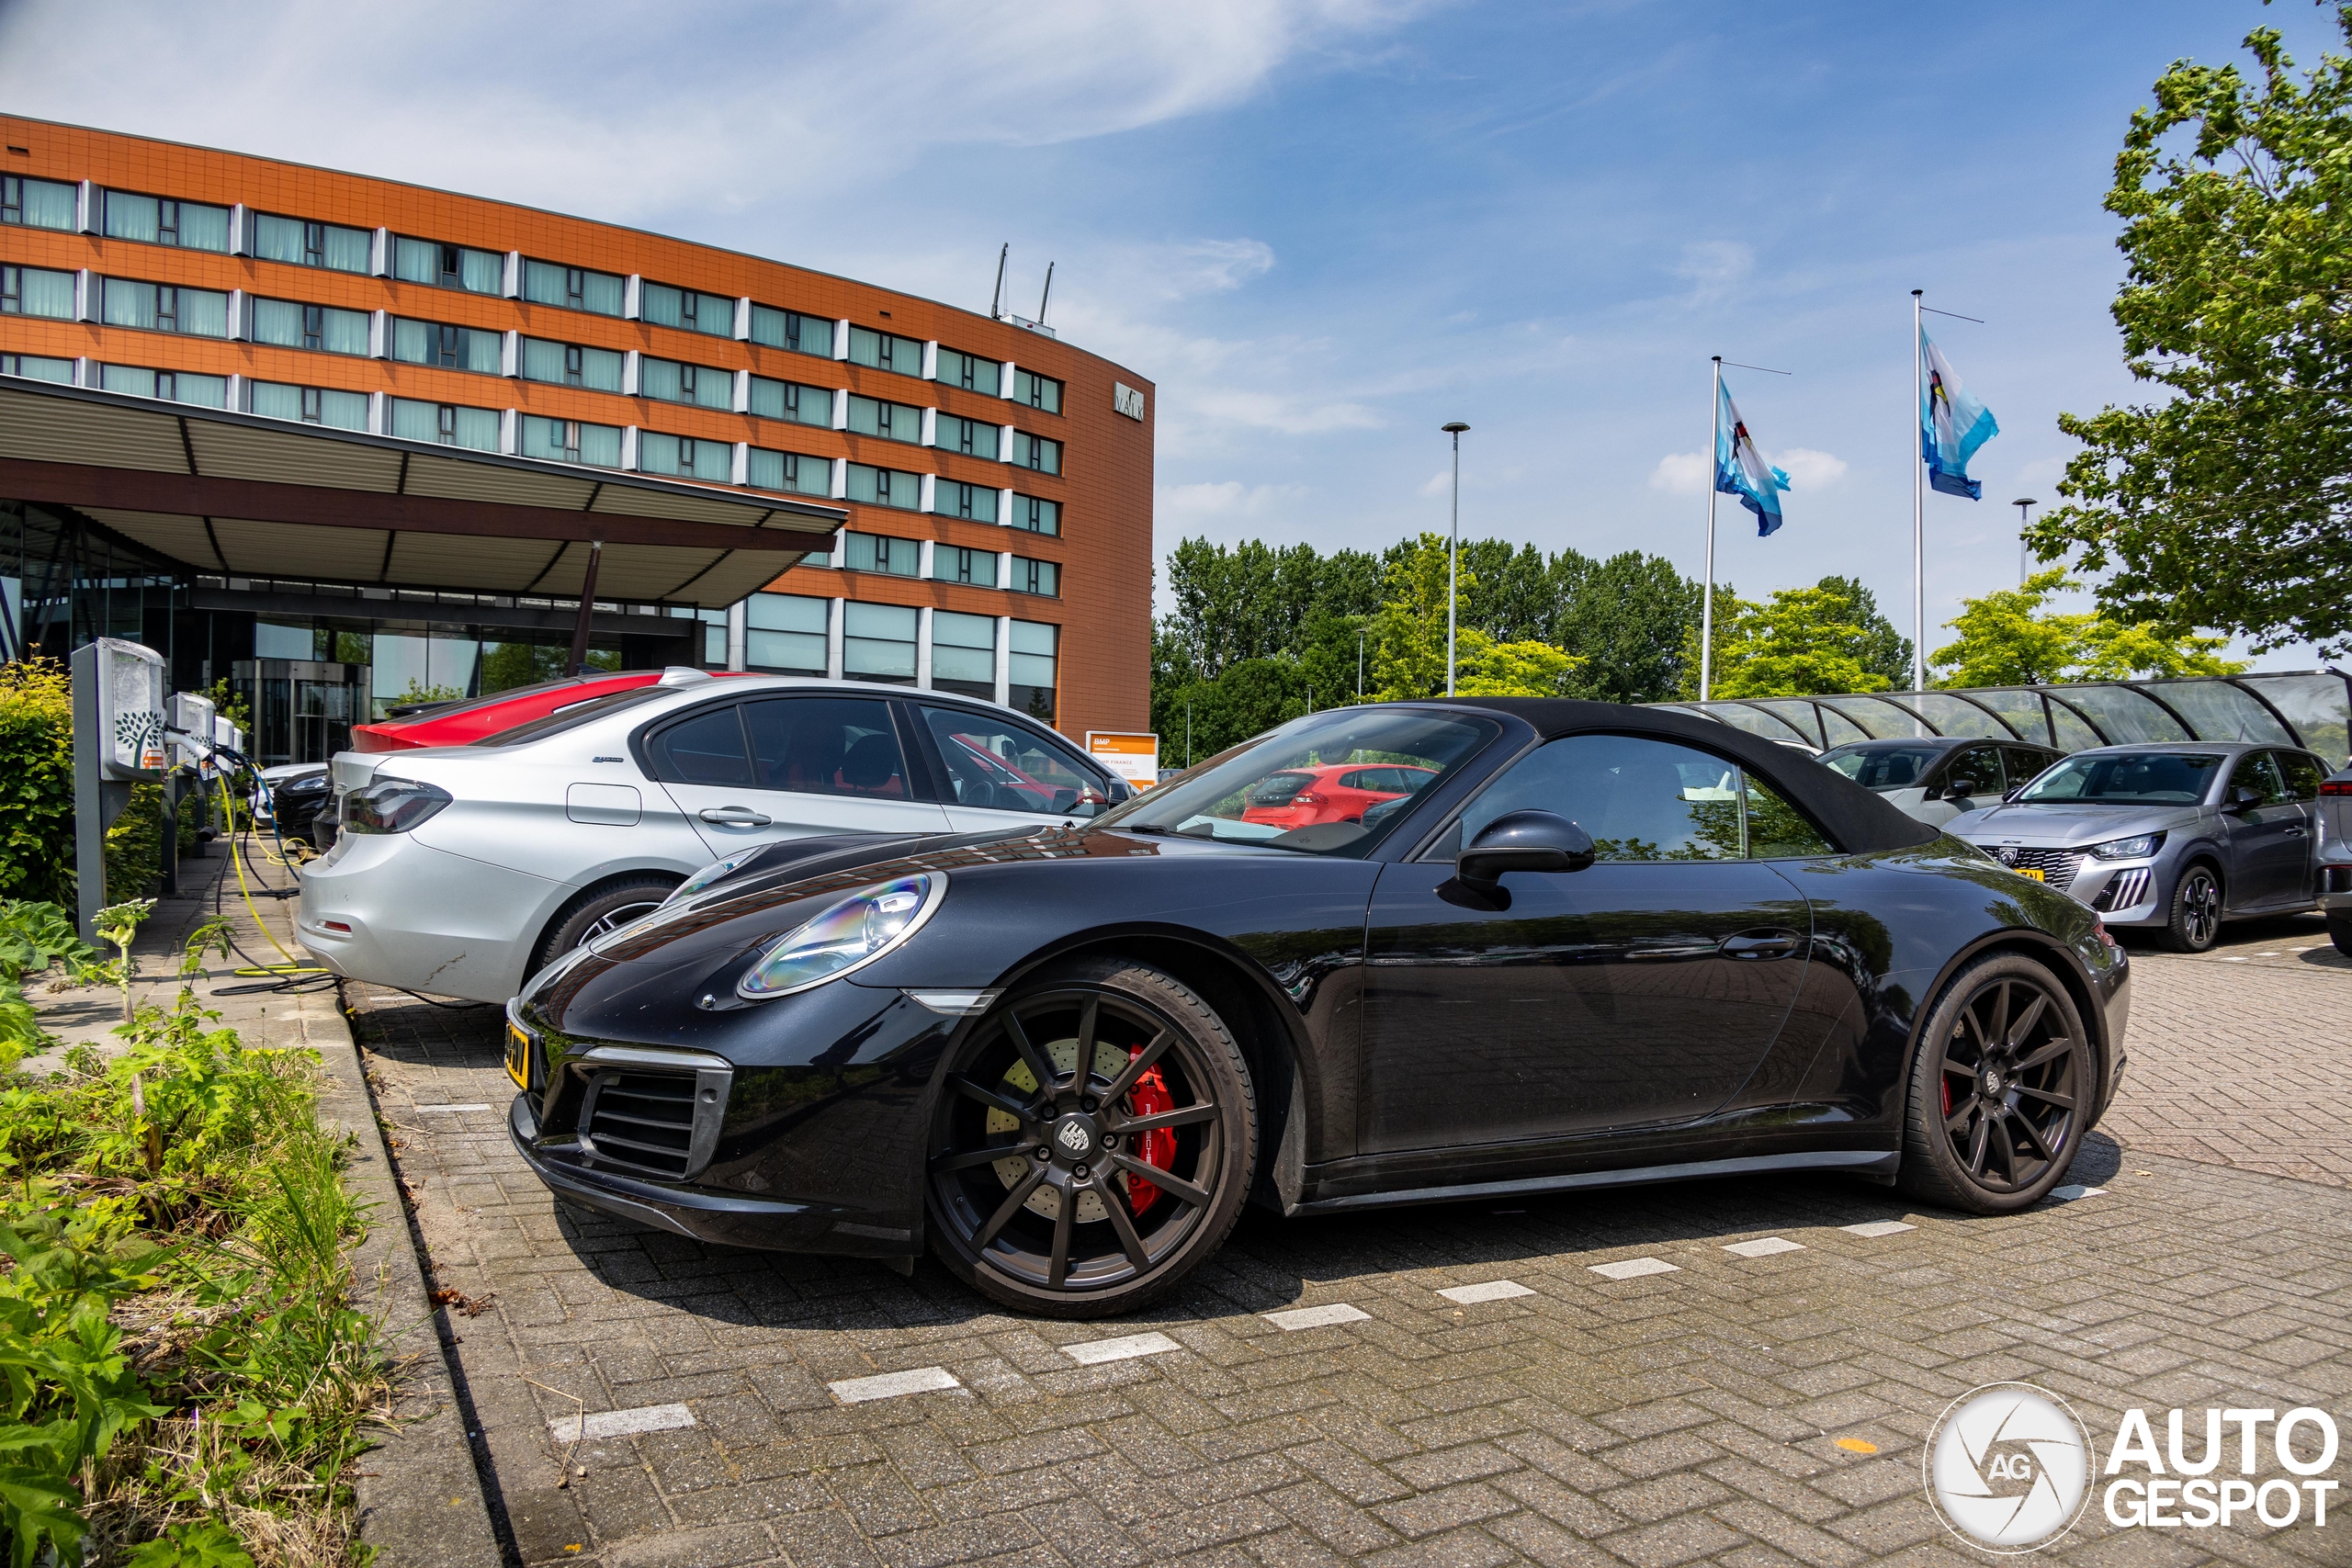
(2176, 837)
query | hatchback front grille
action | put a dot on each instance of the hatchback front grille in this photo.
(643, 1119)
(2057, 866)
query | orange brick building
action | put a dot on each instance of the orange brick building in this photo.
(998, 481)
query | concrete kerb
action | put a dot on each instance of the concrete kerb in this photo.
(420, 1494)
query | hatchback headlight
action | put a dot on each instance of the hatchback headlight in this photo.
(391, 805)
(2140, 846)
(844, 937)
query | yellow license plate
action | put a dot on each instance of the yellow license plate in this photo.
(2032, 871)
(518, 1055)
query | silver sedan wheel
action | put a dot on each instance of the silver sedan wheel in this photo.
(618, 918)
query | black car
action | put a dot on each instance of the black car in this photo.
(1601, 945)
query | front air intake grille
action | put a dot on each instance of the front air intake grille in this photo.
(2057, 866)
(2126, 888)
(643, 1119)
(2339, 879)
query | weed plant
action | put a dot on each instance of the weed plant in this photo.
(187, 1372)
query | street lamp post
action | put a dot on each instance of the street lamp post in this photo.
(2025, 505)
(1453, 552)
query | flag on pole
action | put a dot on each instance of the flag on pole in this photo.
(1952, 424)
(1741, 470)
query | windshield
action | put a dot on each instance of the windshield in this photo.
(577, 713)
(1329, 784)
(1883, 767)
(2127, 778)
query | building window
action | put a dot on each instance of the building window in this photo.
(574, 287)
(951, 564)
(1036, 451)
(571, 364)
(569, 441)
(685, 457)
(689, 312)
(446, 347)
(891, 422)
(446, 423)
(36, 367)
(1038, 392)
(36, 204)
(790, 329)
(783, 634)
(884, 351)
(291, 325)
(299, 244)
(878, 642)
(790, 400)
(1031, 686)
(448, 266)
(310, 405)
(963, 653)
(1035, 577)
(675, 383)
(879, 552)
(968, 436)
(790, 471)
(36, 291)
(191, 225)
(172, 385)
(884, 487)
(1036, 514)
(949, 499)
(970, 372)
(159, 307)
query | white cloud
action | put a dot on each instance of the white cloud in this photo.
(1809, 469)
(1183, 506)
(1284, 413)
(1437, 482)
(1714, 268)
(1680, 473)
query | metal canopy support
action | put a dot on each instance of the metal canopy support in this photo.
(578, 663)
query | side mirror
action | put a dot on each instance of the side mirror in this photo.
(2013, 795)
(1522, 840)
(1960, 787)
(2241, 800)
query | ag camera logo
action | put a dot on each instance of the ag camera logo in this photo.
(2008, 1468)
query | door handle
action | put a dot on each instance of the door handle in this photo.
(1760, 944)
(2296, 833)
(732, 817)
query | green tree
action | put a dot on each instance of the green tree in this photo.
(1882, 650)
(2009, 638)
(2227, 501)
(1633, 619)
(1410, 636)
(1800, 642)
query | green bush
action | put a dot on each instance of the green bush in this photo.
(37, 781)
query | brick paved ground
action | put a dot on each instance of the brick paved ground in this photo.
(1684, 1416)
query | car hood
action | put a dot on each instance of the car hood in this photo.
(2069, 827)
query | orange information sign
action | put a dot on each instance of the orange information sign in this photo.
(1135, 757)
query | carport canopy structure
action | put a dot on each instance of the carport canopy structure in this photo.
(245, 496)
(2307, 709)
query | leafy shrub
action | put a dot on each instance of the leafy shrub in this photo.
(37, 781)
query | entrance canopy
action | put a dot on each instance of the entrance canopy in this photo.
(239, 495)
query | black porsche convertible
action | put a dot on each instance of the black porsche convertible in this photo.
(1402, 953)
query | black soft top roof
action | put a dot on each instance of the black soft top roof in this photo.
(1856, 820)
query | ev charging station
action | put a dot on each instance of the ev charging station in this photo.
(117, 742)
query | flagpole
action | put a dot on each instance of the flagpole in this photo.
(1918, 514)
(1707, 593)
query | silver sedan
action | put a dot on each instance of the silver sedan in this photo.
(2174, 837)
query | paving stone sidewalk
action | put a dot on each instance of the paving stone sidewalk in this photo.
(1689, 1414)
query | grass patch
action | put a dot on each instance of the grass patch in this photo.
(187, 1372)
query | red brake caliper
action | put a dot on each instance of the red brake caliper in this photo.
(1149, 1097)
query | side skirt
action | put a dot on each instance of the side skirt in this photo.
(1877, 1164)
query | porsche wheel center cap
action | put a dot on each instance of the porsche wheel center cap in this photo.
(1991, 1083)
(1075, 1137)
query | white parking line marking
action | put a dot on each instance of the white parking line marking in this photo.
(2233, 960)
(889, 1385)
(1492, 1291)
(620, 1423)
(1878, 1228)
(2073, 1190)
(1764, 1246)
(432, 1107)
(1316, 1317)
(1094, 1352)
(1634, 1267)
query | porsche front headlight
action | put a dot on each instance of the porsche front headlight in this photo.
(846, 936)
(2140, 846)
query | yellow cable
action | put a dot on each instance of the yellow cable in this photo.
(291, 966)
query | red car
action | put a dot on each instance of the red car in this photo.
(1338, 792)
(463, 722)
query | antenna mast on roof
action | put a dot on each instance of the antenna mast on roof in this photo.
(1046, 294)
(996, 301)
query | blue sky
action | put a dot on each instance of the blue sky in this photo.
(1325, 227)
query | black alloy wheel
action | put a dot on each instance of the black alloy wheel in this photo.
(2339, 929)
(595, 913)
(2196, 920)
(2002, 1091)
(1093, 1142)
